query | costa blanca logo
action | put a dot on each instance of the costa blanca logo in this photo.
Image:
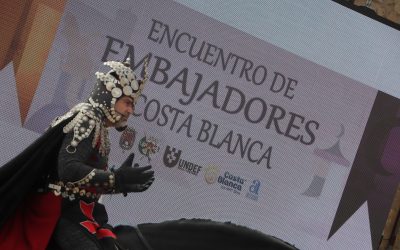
(211, 174)
(228, 181)
(171, 156)
(231, 182)
(253, 190)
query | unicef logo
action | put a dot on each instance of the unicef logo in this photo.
(211, 174)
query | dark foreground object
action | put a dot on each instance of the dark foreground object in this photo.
(196, 234)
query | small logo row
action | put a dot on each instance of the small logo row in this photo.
(148, 146)
(212, 174)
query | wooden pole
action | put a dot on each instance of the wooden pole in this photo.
(389, 229)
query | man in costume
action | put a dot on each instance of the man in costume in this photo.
(49, 193)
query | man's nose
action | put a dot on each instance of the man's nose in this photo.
(130, 110)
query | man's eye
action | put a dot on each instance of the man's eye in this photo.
(128, 103)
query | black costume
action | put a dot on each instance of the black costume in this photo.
(66, 168)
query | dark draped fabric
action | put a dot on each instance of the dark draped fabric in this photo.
(22, 208)
(21, 175)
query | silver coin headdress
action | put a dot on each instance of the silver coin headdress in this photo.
(119, 81)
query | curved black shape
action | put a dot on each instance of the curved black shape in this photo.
(196, 234)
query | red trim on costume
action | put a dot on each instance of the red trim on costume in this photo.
(91, 225)
(103, 232)
(87, 209)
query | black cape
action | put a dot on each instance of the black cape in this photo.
(23, 174)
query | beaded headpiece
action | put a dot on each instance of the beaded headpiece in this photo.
(88, 117)
(118, 82)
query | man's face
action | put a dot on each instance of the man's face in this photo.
(124, 107)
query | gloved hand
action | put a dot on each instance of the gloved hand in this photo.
(133, 179)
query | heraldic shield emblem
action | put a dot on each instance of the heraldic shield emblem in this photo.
(127, 138)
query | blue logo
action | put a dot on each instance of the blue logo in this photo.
(253, 190)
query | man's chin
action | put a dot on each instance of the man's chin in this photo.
(121, 126)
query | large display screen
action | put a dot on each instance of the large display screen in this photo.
(280, 116)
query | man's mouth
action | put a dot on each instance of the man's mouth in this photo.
(123, 117)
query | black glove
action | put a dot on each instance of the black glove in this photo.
(133, 179)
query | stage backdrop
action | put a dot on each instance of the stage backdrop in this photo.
(266, 123)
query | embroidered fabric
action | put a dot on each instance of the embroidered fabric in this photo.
(93, 185)
(87, 118)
